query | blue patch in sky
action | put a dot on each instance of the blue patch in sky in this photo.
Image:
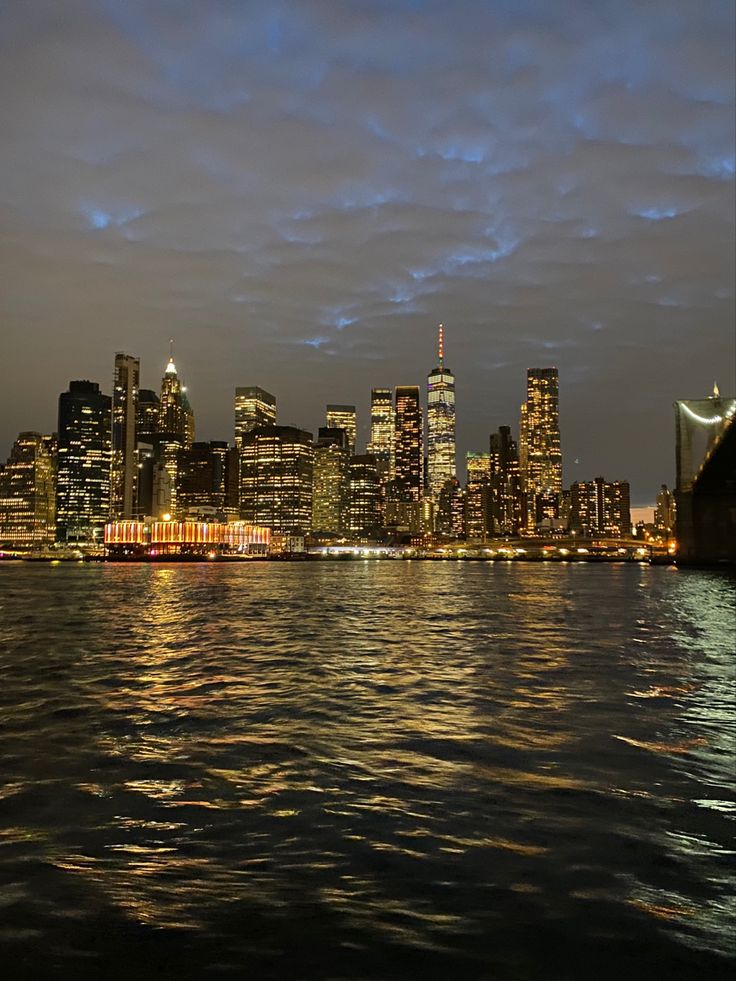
(658, 214)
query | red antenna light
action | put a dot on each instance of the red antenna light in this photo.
(441, 344)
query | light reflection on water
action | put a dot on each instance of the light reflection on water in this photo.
(366, 770)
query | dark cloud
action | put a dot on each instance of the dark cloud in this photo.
(298, 193)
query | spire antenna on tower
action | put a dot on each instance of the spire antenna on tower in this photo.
(441, 344)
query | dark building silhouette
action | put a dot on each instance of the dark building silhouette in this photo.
(364, 495)
(207, 475)
(705, 491)
(83, 474)
(408, 445)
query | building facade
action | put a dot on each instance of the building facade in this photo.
(254, 406)
(600, 507)
(364, 513)
(176, 419)
(276, 475)
(540, 449)
(507, 509)
(408, 452)
(28, 494)
(441, 453)
(344, 417)
(124, 464)
(478, 497)
(330, 487)
(208, 479)
(83, 469)
(381, 445)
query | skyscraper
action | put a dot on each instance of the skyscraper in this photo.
(207, 476)
(27, 493)
(600, 507)
(330, 484)
(381, 445)
(148, 411)
(505, 483)
(540, 451)
(276, 478)
(441, 463)
(478, 498)
(124, 470)
(253, 407)
(364, 495)
(343, 417)
(176, 419)
(408, 456)
(83, 476)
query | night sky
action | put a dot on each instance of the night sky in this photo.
(299, 192)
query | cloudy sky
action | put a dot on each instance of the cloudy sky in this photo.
(298, 192)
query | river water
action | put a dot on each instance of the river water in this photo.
(366, 770)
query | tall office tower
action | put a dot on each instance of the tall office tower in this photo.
(343, 417)
(148, 411)
(205, 481)
(600, 507)
(83, 471)
(276, 470)
(381, 445)
(540, 434)
(28, 492)
(665, 512)
(124, 418)
(330, 482)
(364, 514)
(450, 520)
(408, 444)
(253, 407)
(175, 419)
(505, 483)
(441, 464)
(478, 497)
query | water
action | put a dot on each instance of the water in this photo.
(366, 771)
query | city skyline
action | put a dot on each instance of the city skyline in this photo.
(170, 377)
(553, 183)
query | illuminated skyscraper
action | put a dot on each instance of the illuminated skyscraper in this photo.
(381, 445)
(27, 493)
(408, 456)
(83, 476)
(540, 452)
(176, 419)
(330, 493)
(665, 513)
(148, 411)
(253, 407)
(276, 478)
(364, 495)
(441, 464)
(124, 417)
(450, 521)
(505, 483)
(343, 417)
(601, 508)
(478, 497)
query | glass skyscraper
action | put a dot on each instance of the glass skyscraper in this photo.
(441, 463)
(254, 406)
(408, 456)
(343, 417)
(126, 382)
(540, 454)
(83, 480)
(381, 444)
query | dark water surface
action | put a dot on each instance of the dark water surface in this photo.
(366, 771)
